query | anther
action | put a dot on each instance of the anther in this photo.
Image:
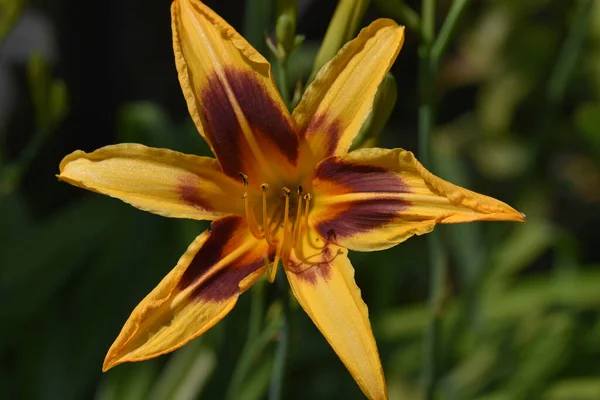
(286, 191)
(244, 178)
(264, 187)
(299, 191)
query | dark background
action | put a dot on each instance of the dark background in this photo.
(518, 119)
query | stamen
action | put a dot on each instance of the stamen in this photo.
(281, 246)
(307, 199)
(272, 270)
(265, 216)
(297, 221)
(244, 178)
(251, 218)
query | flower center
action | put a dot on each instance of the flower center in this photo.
(284, 220)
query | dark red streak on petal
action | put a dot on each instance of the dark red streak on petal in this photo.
(361, 216)
(262, 113)
(212, 251)
(310, 276)
(331, 130)
(309, 272)
(223, 129)
(360, 178)
(188, 189)
(260, 110)
(225, 283)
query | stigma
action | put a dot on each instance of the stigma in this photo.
(281, 219)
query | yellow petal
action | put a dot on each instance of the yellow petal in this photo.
(231, 95)
(337, 102)
(194, 296)
(372, 199)
(161, 181)
(322, 279)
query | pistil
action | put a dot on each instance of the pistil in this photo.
(297, 220)
(307, 199)
(281, 246)
(265, 216)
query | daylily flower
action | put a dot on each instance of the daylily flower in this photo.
(282, 187)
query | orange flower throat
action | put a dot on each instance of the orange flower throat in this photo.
(283, 226)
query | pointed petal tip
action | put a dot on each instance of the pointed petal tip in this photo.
(512, 215)
(109, 362)
(523, 217)
(113, 358)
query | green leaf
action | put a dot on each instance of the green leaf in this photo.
(184, 377)
(343, 27)
(383, 106)
(130, 381)
(9, 12)
(585, 388)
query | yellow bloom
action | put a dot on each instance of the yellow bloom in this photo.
(281, 188)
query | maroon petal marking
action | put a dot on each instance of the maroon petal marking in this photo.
(212, 251)
(225, 282)
(329, 131)
(223, 129)
(359, 217)
(309, 272)
(311, 275)
(188, 188)
(262, 113)
(359, 178)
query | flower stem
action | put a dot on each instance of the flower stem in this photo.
(282, 81)
(426, 123)
(256, 342)
(279, 366)
(431, 51)
(401, 12)
(448, 28)
(560, 75)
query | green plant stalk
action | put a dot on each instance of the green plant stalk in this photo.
(343, 27)
(426, 122)
(282, 81)
(447, 31)
(431, 51)
(401, 12)
(257, 19)
(279, 365)
(255, 343)
(569, 53)
(256, 310)
(560, 75)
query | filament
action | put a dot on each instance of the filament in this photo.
(251, 218)
(307, 199)
(280, 247)
(297, 221)
(265, 216)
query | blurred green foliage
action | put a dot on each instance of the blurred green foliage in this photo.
(519, 111)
